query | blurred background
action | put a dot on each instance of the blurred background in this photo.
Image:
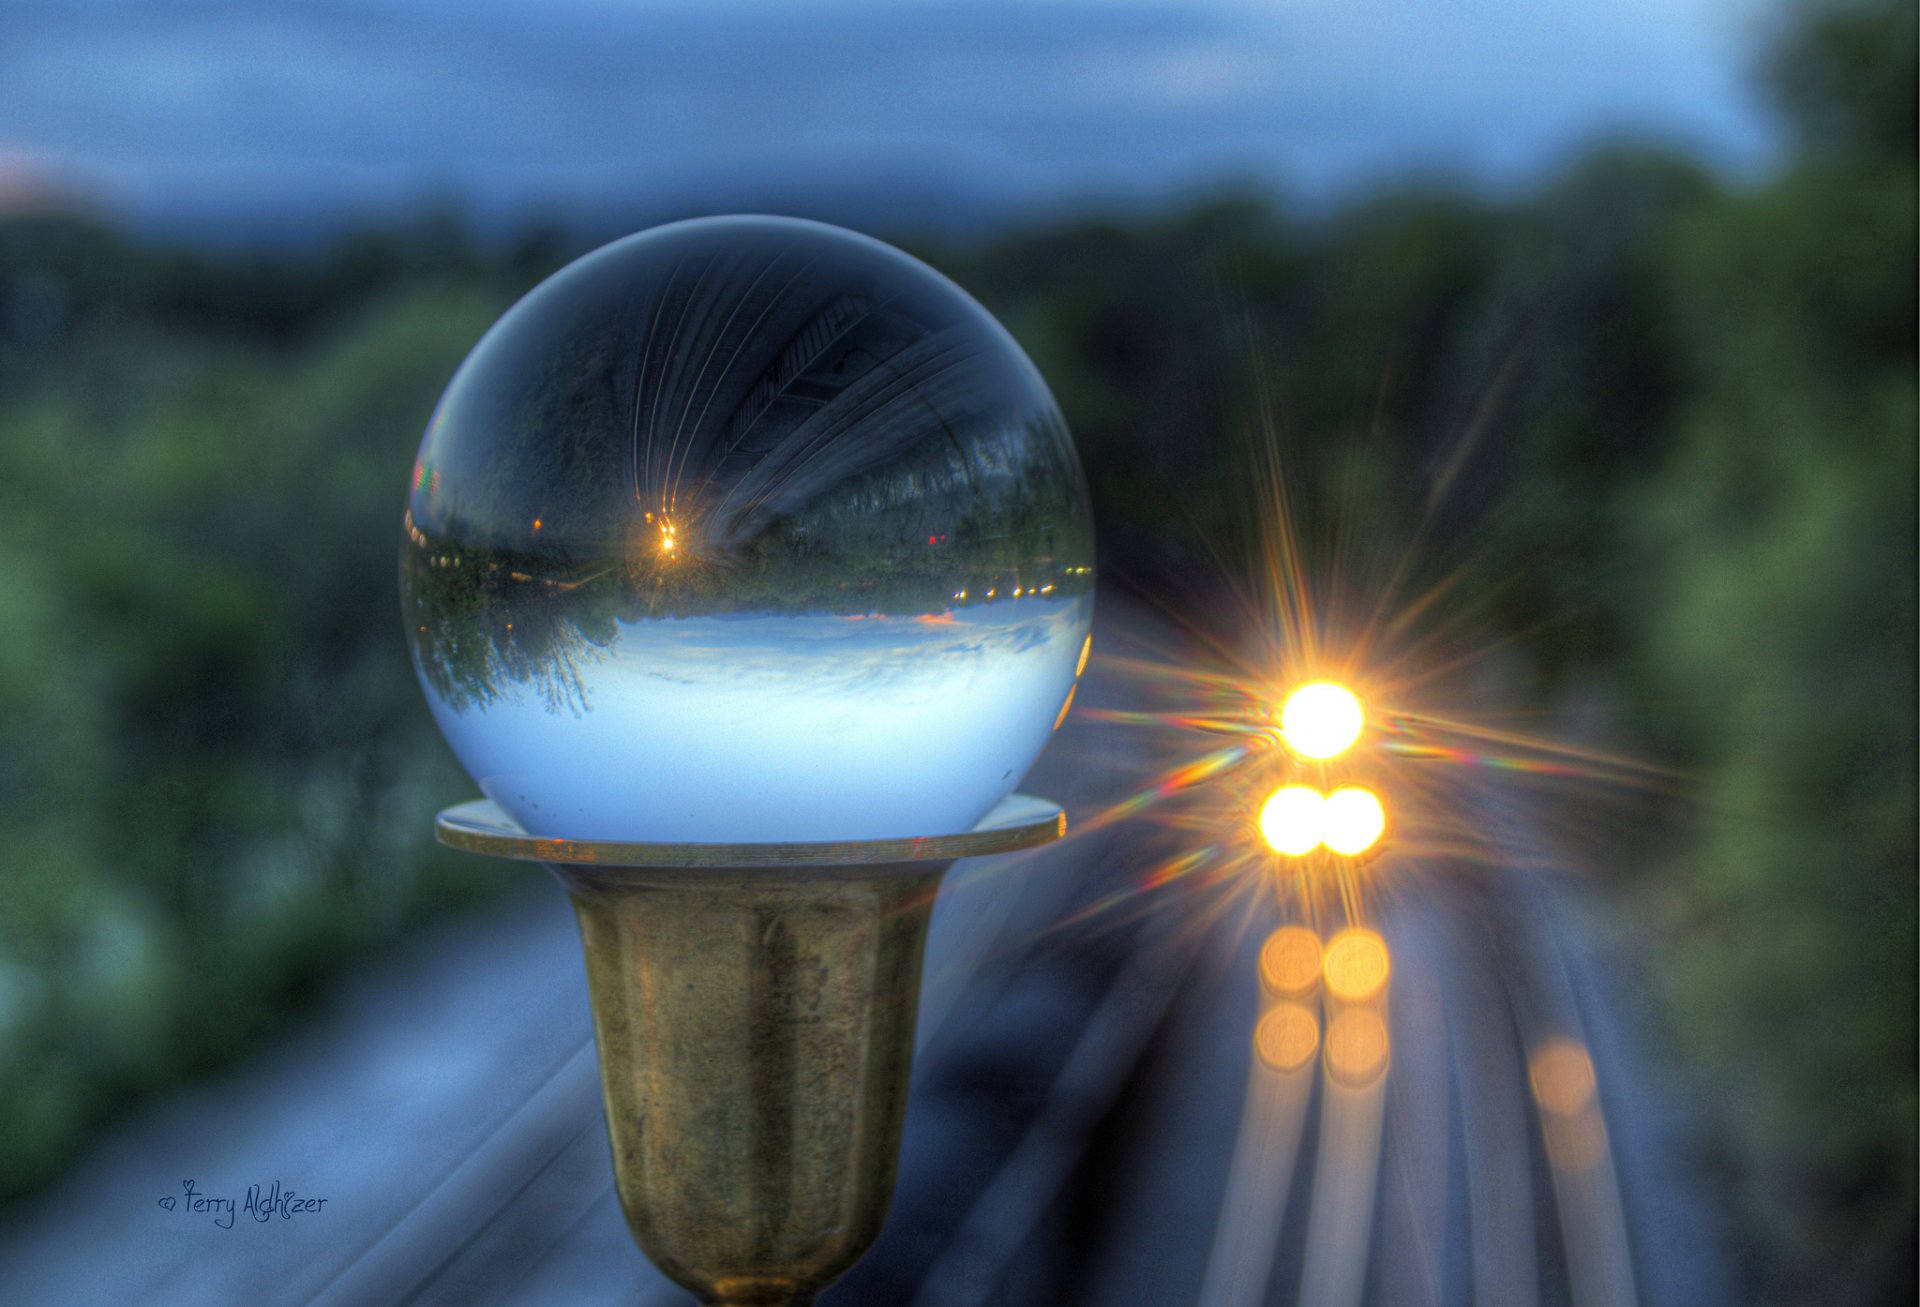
(1651, 265)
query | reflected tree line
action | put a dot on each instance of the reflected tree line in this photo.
(927, 534)
(744, 416)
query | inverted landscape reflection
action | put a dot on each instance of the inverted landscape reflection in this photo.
(747, 529)
(816, 724)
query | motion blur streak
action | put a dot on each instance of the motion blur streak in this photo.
(1344, 1177)
(1420, 1161)
(1357, 1048)
(1271, 1125)
(1599, 1266)
(1347, 1178)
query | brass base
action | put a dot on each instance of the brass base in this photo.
(756, 1040)
(754, 1007)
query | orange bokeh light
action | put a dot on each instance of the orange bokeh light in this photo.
(1290, 962)
(1287, 1037)
(1357, 966)
(1357, 1047)
(1563, 1079)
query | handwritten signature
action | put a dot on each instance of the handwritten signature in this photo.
(262, 1204)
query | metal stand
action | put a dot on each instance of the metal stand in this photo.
(754, 1008)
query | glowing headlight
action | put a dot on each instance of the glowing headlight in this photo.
(1351, 820)
(1291, 820)
(1296, 819)
(1321, 720)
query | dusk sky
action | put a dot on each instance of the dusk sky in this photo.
(176, 111)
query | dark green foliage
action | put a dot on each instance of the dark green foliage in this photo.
(1780, 539)
(215, 772)
(1845, 74)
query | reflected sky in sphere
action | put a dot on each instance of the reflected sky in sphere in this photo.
(785, 728)
(747, 529)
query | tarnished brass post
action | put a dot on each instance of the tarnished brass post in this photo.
(756, 1037)
(754, 1008)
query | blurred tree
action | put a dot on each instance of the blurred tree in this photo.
(215, 772)
(1780, 610)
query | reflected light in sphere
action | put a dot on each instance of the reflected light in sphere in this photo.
(725, 626)
(1357, 965)
(1352, 820)
(1291, 820)
(1290, 962)
(1321, 720)
(1287, 1037)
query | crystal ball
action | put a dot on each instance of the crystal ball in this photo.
(747, 529)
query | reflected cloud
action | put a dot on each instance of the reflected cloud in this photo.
(814, 723)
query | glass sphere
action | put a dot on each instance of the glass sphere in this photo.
(747, 529)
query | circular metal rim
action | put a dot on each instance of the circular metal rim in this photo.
(1019, 821)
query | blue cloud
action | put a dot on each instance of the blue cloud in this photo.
(166, 106)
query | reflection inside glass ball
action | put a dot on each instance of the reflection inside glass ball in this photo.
(747, 529)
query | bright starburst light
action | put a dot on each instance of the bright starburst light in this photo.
(1321, 720)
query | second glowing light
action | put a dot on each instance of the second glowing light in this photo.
(1297, 819)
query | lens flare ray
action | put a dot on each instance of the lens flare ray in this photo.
(1340, 732)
